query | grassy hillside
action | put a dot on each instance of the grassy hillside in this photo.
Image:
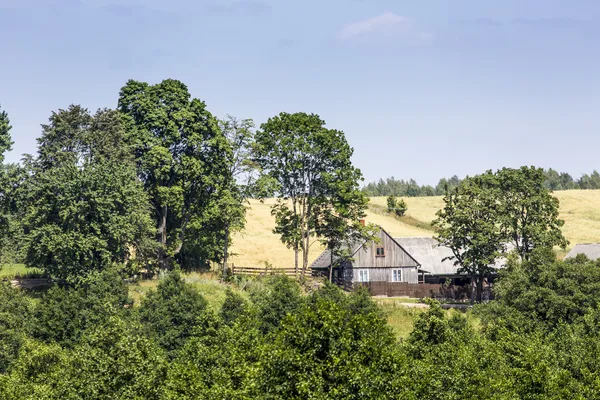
(579, 208)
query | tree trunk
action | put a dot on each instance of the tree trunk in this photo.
(225, 251)
(162, 239)
(305, 253)
(331, 267)
(296, 259)
(479, 289)
(473, 288)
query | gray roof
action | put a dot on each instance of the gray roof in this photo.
(591, 250)
(428, 252)
(324, 260)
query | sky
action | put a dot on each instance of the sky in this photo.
(422, 89)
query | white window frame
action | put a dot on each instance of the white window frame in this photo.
(397, 273)
(363, 274)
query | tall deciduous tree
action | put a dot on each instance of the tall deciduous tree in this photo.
(311, 165)
(469, 225)
(87, 209)
(529, 214)
(183, 161)
(485, 213)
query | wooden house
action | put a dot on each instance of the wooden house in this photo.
(384, 261)
(412, 266)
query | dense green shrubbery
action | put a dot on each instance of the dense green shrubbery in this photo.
(540, 340)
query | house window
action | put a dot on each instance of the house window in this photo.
(363, 275)
(380, 252)
(396, 275)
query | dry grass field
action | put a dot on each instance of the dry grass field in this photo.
(257, 244)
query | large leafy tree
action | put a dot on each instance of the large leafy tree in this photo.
(485, 213)
(312, 168)
(529, 214)
(469, 226)
(87, 209)
(182, 159)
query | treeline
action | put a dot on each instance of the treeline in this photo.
(554, 180)
(540, 340)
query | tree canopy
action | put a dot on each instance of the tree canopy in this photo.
(183, 161)
(311, 166)
(486, 212)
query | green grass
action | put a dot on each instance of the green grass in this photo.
(18, 270)
(401, 318)
(207, 285)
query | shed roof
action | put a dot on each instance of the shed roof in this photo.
(591, 250)
(428, 252)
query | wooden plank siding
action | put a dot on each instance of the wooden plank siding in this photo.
(409, 274)
(395, 256)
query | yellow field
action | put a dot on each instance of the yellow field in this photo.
(257, 244)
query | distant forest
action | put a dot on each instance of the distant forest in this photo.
(398, 187)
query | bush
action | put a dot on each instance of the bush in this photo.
(279, 297)
(65, 313)
(170, 313)
(335, 346)
(233, 307)
(395, 206)
(15, 323)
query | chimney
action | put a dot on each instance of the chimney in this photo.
(362, 222)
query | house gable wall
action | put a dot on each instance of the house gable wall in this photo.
(395, 256)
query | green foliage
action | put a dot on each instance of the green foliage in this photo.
(396, 207)
(234, 307)
(219, 363)
(5, 138)
(85, 219)
(317, 185)
(39, 373)
(170, 313)
(553, 180)
(8, 225)
(15, 323)
(279, 298)
(469, 226)
(86, 208)
(487, 211)
(550, 291)
(14, 193)
(65, 314)
(431, 328)
(183, 160)
(529, 213)
(329, 350)
(116, 361)
(410, 188)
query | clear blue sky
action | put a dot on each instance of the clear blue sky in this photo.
(423, 89)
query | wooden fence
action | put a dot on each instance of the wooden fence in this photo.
(258, 271)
